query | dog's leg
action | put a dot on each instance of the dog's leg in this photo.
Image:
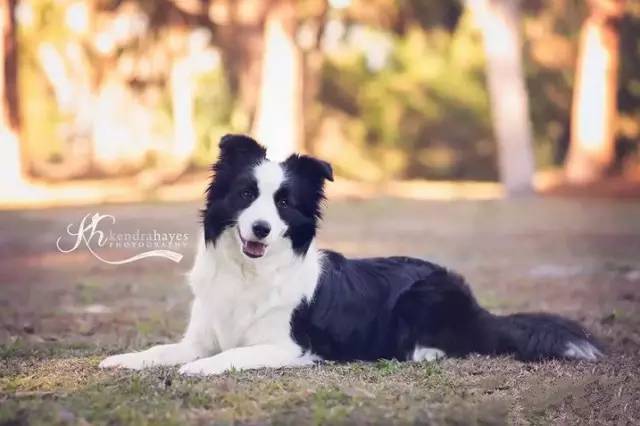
(249, 357)
(171, 354)
(199, 341)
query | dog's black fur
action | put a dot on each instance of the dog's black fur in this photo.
(367, 309)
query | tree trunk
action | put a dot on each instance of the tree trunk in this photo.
(240, 34)
(498, 20)
(279, 122)
(312, 62)
(182, 102)
(13, 166)
(591, 150)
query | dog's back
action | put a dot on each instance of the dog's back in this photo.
(367, 309)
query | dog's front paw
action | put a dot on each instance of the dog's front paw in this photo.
(131, 361)
(203, 367)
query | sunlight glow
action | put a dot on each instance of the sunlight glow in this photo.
(24, 14)
(375, 45)
(340, 4)
(77, 17)
(56, 73)
(276, 127)
(593, 103)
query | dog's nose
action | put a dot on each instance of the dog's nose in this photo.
(261, 229)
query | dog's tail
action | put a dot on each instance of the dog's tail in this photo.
(538, 336)
(449, 318)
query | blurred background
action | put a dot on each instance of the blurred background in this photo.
(108, 100)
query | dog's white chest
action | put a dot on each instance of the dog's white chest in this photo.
(250, 313)
(244, 308)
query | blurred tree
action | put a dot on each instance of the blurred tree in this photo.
(279, 121)
(404, 94)
(313, 15)
(628, 114)
(239, 32)
(88, 62)
(593, 117)
(13, 168)
(499, 21)
(123, 76)
(549, 55)
(389, 88)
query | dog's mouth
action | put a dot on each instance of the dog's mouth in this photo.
(253, 249)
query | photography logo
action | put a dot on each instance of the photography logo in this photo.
(94, 233)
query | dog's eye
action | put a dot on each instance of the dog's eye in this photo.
(247, 194)
(283, 203)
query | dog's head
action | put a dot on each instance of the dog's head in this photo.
(269, 207)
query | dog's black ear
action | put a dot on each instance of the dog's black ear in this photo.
(235, 148)
(308, 176)
(237, 152)
(309, 167)
(324, 167)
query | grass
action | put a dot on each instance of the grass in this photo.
(53, 384)
(51, 342)
(42, 390)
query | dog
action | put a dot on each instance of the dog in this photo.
(266, 297)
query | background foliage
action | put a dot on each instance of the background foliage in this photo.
(402, 88)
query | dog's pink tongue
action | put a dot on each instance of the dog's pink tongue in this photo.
(254, 248)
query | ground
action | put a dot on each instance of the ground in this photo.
(60, 314)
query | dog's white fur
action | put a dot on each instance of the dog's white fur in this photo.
(583, 350)
(242, 307)
(426, 354)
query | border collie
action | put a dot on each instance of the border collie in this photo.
(266, 296)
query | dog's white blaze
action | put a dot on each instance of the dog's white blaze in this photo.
(421, 353)
(269, 177)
